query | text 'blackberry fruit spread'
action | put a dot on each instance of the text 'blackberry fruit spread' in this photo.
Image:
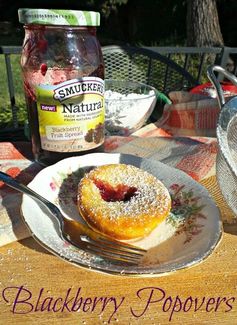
(63, 74)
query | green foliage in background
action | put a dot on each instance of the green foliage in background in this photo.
(5, 108)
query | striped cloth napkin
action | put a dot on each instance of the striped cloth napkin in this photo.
(188, 115)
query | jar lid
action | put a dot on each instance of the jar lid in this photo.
(59, 17)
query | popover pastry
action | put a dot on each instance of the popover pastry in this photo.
(122, 201)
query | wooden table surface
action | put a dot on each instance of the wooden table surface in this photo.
(39, 288)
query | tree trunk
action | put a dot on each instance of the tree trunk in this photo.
(203, 28)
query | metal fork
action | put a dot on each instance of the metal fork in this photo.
(79, 234)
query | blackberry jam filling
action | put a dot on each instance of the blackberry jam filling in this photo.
(112, 194)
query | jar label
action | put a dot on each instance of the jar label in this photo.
(71, 114)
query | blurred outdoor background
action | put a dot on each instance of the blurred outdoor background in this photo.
(150, 22)
(197, 23)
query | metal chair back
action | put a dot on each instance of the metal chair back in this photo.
(147, 66)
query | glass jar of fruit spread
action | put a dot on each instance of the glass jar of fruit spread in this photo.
(63, 75)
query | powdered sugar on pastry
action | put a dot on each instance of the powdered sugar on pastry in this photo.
(123, 201)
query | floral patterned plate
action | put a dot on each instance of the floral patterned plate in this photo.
(189, 234)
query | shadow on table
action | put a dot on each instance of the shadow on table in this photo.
(31, 243)
(24, 148)
(230, 228)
